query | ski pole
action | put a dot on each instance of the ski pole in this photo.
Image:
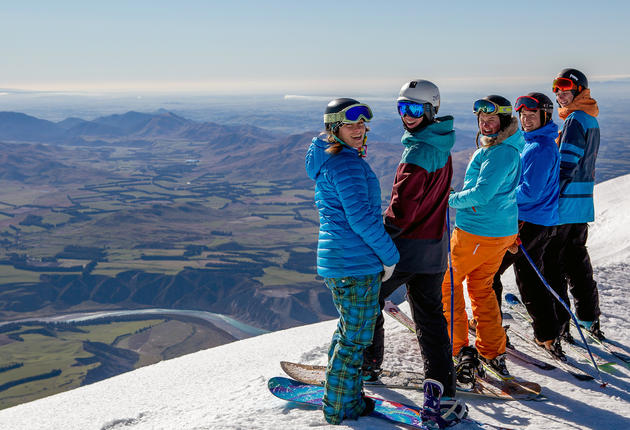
(450, 268)
(555, 294)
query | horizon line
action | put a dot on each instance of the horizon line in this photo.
(283, 87)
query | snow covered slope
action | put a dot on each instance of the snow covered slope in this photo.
(225, 387)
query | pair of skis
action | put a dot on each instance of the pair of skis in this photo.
(576, 369)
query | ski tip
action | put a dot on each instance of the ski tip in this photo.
(582, 376)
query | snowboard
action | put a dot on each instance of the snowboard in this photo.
(299, 392)
(490, 388)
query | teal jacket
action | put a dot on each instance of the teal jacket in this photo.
(486, 206)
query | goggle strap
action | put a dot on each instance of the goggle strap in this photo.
(341, 115)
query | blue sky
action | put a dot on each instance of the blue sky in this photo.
(305, 47)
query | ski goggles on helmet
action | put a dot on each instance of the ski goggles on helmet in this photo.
(412, 109)
(531, 103)
(486, 106)
(350, 115)
(563, 84)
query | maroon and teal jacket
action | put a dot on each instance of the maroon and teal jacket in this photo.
(416, 216)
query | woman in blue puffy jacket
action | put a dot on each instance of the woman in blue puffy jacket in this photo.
(354, 253)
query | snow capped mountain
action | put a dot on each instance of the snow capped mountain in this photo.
(226, 387)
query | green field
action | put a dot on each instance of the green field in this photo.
(41, 354)
(153, 339)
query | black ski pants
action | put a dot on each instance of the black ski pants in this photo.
(567, 264)
(540, 303)
(424, 293)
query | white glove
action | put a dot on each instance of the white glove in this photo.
(388, 271)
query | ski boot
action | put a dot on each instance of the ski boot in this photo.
(370, 374)
(467, 366)
(565, 334)
(369, 406)
(553, 347)
(593, 328)
(498, 365)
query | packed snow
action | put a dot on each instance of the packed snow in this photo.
(226, 387)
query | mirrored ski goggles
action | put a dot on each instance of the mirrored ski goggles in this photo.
(486, 106)
(563, 84)
(350, 115)
(414, 110)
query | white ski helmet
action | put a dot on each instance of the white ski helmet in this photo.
(423, 92)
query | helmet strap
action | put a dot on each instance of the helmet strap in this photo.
(545, 118)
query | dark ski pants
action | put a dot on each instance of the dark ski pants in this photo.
(424, 293)
(356, 300)
(567, 264)
(539, 302)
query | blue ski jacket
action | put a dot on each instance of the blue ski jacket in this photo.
(486, 206)
(579, 143)
(538, 190)
(352, 238)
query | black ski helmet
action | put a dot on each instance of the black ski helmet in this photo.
(337, 105)
(577, 77)
(544, 105)
(504, 118)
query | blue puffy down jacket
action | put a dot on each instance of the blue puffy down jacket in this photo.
(352, 238)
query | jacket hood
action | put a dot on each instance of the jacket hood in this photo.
(583, 102)
(550, 130)
(439, 134)
(316, 156)
(502, 135)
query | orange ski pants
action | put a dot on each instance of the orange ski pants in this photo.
(475, 259)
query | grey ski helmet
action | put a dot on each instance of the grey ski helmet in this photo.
(423, 92)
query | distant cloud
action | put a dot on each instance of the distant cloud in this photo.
(309, 98)
(298, 97)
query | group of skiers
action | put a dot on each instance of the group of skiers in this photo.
(526, 187)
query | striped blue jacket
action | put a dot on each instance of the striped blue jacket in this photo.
(579, 143)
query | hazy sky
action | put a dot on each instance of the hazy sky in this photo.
(305, 46)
